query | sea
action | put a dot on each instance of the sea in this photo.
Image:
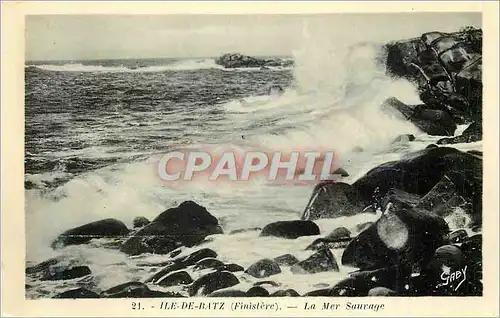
(91, 128)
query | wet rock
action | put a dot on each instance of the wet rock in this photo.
(172, 267)
(175, 279)
(135, 290)
(360, 283)
(228, 293)
(418, 172)
(381, 292)
(458, 236)
(209, 283)
(140, 221)
(237, 60)
(286, 260)
(197, 256)
(186, 225)
(321, 261)
(290, 229)
(40, 267)
(341, 172)
(445, 197)
(175, 252)
(252, 229)
(257, 291)
(473, 133)
(404, 138)
(267, 282)
(403, 237)
(64, 273)
(400, 199)
(263, 268)
(447, 255)
(209, 263)
(331, 200)
(431, 146)
(77, 293)
(233, 268)
(432, 121)
(318, 293)
(83, 234)
(338, 233)
(285, 293)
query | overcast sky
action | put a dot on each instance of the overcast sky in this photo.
(73, 37)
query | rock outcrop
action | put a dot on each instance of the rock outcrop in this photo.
(237, 60)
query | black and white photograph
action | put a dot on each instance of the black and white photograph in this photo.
(253, 155)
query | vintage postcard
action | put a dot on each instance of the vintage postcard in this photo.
(249, 159)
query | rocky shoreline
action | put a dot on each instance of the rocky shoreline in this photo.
(408, 251)
(237, 60)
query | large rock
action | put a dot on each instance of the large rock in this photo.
(331, 200)
(175, 279)
(236, 60)
(473, 133)
(360, 283)
(263, 268)
(135, 290)
(321, 261)
(64, 273)
(419, 172)
(85, 233)
(432, 121)
(403, 237)
(209, 283)
(290, 229)
(186, 225)
(77, 293)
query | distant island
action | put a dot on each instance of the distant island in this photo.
(237, 60)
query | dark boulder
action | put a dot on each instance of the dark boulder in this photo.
(212, 282)
(182, 263)
(232, 268)
(321, 261)
(473, 133)
(331, 200)
(286, 260)
(175, 279)
(338, 233)
(403, 237)
(267, 282)
(228, 293)
(360, 283)
(43, 266)
(400, 199)
(290, 229)
(77, 293)
(257, 291)
(140, 221)
(196, 256)
(83, 234)
(171, 267)
(285, 293)
(381, 292)
(209, 262)
(186, 225)
(341, 172)
(432, 121)
(263, 268)
(419, 172)
(317, 293)
(135, 290)
(64, 273)
(458, 236)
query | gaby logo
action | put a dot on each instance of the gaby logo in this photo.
(234, 164)
(448, 277)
